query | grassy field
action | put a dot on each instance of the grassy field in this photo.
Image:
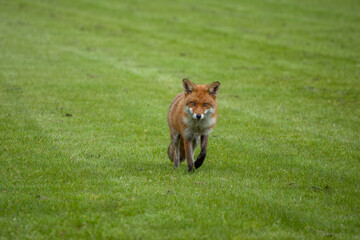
(85, 87)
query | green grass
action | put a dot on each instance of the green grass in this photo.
(283, 161)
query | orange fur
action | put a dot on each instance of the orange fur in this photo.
(191, 117)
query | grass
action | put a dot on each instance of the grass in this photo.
(84, 91)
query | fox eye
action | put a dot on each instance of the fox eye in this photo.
(193, 104)
(205, 104)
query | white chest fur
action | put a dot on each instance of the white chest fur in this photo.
(197, 127)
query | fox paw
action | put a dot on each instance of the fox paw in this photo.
(191, 169)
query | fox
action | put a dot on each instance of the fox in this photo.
(191, 117)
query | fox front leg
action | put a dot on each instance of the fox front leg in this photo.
(176, 142)
(200, 159)
(189, 153)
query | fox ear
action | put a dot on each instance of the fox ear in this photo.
(213, 88)
(188, 85)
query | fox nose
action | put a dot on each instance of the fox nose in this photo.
(198, 116)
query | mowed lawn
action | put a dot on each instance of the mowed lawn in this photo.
(85, 87)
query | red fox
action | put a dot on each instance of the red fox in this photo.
(191, 117)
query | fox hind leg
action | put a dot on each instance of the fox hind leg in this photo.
(176, 149)
(171, 151)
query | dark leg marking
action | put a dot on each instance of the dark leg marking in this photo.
(200, 159)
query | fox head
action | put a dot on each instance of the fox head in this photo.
(200, 100)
